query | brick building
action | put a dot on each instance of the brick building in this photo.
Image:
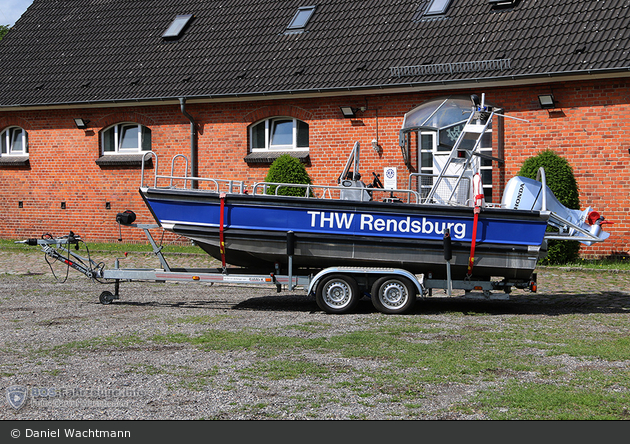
(232, 84)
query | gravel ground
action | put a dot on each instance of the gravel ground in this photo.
(56, 335)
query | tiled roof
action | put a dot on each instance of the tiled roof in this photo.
(81, 51)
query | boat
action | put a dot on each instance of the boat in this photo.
(353, 224)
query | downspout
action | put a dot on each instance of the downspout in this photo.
(193, 143)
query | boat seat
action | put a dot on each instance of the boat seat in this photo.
(354, 191)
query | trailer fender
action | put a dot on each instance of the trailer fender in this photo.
(365, 271)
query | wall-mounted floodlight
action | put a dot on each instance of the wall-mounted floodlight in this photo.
(348, 111)
(81, 123)
(546, 101)
(376, 147)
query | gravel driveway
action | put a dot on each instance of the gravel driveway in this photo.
(84, 360)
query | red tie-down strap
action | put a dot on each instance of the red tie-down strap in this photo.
(221, 228)
(478, 201)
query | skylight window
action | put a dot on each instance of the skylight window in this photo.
(301, 18)
(499, 3)
(177, 26)
(437, 7)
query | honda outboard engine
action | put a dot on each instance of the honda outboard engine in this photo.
(522, 193)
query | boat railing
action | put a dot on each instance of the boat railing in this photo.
(186, 181)
(362, 194)
(274, 187)
(179, 156)
(155, 167)
(457, 190)
(182, 180)
(207, 184)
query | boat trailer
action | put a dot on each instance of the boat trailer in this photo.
(337, 289)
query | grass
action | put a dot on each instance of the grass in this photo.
(114, 341)
(415, 357)
(281, 369)
(102, 247)
(566, 401)
(621, 262)
(202, 319)
(570, 367)
(181, 376)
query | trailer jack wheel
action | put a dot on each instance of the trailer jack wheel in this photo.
(106, 297)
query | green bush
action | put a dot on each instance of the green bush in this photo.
(561, 181)
(287, 169)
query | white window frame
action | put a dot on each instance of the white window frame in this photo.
(430, 150)
(269, 126)
(7, 142)
(117, 130)
(486, 149)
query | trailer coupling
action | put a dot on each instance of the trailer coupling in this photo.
(59, 249)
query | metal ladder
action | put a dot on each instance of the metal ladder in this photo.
(474, 129)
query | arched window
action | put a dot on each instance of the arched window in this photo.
(14, 142)
(126, 138)
(279, 134)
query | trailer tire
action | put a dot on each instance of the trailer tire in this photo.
(393, 295)
(337, 294)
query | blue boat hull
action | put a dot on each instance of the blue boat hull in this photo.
(351, 233)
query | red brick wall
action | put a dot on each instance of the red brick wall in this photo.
(590, 130)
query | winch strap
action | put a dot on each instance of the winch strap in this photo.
(221, 229)
(473, 242)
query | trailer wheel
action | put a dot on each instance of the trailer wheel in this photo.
(337, 294)
(106, 298)
(393, 295)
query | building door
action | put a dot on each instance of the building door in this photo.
(433, 160)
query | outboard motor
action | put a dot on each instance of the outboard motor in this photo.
(523, 193)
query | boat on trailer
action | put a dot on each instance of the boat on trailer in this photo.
(446, 232)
